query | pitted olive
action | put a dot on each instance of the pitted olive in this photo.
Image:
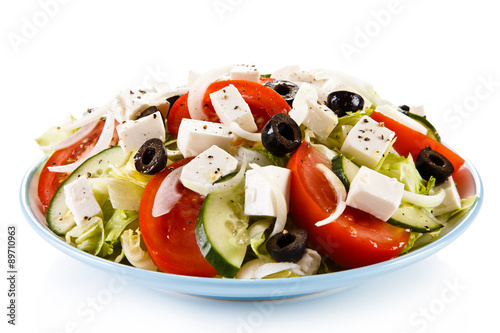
(281, 135)
(151, 158)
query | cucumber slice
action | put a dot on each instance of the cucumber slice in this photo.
(221, 230)
(431, 130)
(408, 216)
(97, 166)
(345, 169)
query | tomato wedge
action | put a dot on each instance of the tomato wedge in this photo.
(49, 181)
(411, 142)
(356, 238)
(170, 238)
(177, 112)
(263, 101)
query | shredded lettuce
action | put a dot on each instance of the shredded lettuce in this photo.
(257, 236)
(88, 236)
(118, 222)
(404, 170)
(52, 136)
(338, 135)
(131, 244)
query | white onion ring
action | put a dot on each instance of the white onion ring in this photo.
(198, 89)
(167, 194)
(236, 129)
(91, 116)
(340, 192)
(74, 138)
(429, 201)
(101, 144)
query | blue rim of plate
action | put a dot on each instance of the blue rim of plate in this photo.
(233, 289)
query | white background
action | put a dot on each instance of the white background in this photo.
(60, 57)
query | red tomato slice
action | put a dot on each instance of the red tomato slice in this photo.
(177, 112)
(49, 181)
(170, 238)
(356, 238)
(411, 142)
(263, 102)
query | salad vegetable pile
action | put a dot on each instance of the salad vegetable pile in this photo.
(243, 175)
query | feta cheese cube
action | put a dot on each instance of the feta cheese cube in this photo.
(133, 133)
(129, 104)
(196, 136)
(320, 119)
(231, 107)
(80, 200)
(451, 200)
(375, 193)
(245, 72)
(259, 192)
(206, 168)
(367, 142)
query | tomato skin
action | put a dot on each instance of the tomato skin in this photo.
(177, 112)
(411, 142)
(263, 102)
(49, 181)
(170, 238)
(356, 238)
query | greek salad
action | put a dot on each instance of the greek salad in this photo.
(240, 174)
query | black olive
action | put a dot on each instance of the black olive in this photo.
(172, 99)
(343, 101)
(287, 246)
(431, 163)
(404, 108)
(281, 135)
(149, 111)
(151, 158)
(286, 89)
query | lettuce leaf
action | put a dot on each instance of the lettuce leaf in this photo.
(131, 244)
(118, 222)
(88, 236)
(404, 170)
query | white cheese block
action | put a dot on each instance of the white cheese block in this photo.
(206, 168)
(133, 133)
(195, 136)
(367, 142)
(245, 72)
(231, 107)
(375, 193)
(400, 117)
(259, 192)
(80, 200)
(451, 200)
(320, 119)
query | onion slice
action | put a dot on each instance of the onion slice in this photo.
(236, 129)
(89, 117)
(279, 200)
(198, 89)
(428, 201)
(340, 192)
(259, 268)
(74, 138)
(167, 194)
(101, 144)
